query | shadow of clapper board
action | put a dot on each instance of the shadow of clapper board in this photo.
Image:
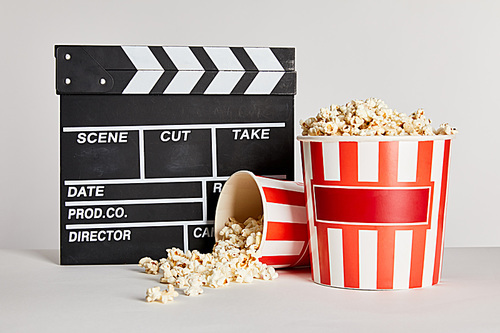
(149, 135)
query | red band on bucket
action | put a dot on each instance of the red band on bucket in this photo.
(286, 231)
(279, 260)
(284, 197)
(372, 205)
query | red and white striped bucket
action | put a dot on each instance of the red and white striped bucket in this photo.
(376, 209)
(282, 205)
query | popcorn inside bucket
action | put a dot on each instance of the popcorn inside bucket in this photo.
(239, 199)
(370, 117)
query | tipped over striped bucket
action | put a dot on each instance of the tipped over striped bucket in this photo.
(282, 205)
(376, 209)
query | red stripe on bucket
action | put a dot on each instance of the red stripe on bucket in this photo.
(281, 231)
(417, 257)
(304, 257)
(323, 253)
(279, 260)
(348, 152)
(424, 164)
(284, 197)
(385, 258)
(350, 242)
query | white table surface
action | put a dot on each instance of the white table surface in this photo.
(37, 294)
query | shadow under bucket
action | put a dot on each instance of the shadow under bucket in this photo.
(376, 209)
(282, 205)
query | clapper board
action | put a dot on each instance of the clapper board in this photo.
(149, 135)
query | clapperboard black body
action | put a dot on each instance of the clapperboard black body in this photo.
(149, 135)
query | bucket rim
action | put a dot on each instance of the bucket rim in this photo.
(374, 138)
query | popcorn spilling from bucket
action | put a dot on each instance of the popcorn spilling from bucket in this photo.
(370, 117)
(234, 258)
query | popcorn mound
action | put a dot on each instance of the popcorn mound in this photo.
(368, 118)
(234, 258)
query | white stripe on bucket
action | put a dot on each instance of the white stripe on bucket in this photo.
(280, 185)
(444, 213)
(431, 234)
(286, 213)
(437, 160)
(331, 160)
(368, 161)
(313, 246)
(313, 231)
(307, 160)
(282, 248)
(368, 240)
(407, 161)
(429, 257)
(402, 259)
(336, 252)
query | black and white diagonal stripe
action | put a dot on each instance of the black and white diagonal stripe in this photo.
(198, 70)
(203, 70)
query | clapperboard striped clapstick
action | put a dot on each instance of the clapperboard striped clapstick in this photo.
(150, 134)
(177, 70)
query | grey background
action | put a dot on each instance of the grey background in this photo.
(440, 55)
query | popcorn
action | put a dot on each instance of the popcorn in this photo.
(368, 118)
(269, 274)
(194, 288)
(156, 295)
(234, 258)
(181, 282)
(243, 275)
(168, 277)
(151, 266)
(445, 129)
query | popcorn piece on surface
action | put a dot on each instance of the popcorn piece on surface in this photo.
(153, 294)
(234, 258)
(194, 288)
(269, 273)
(168, 277)
(156, 295)
(151, 266)
(368, 118)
